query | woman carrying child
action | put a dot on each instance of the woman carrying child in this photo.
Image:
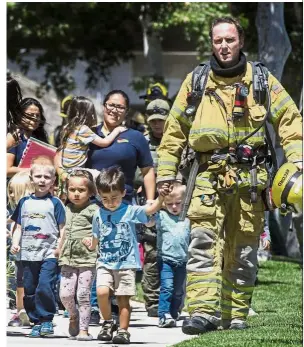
(77, 135)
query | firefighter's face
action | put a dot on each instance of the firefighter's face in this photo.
(157, 127)
(226, 44)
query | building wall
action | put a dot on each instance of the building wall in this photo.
(175, 66)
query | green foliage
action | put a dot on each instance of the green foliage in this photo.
(64, 32)
(195, 18)
(139, 293)
(104, 34)
(142, 83)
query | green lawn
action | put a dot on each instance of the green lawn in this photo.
(278, 300)
(139, 293)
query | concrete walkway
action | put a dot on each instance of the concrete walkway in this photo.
(143, 329)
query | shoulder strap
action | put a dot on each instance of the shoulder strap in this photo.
(200, 76)
(260, 90)
(259, 81)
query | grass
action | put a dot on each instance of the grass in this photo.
(139, 293)
(278, 300)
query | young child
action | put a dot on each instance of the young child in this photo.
(263, 254)
(114, 230)
(265, 241)
(19, 186)
(40, 219)
(78, 263)
(172, 249)
(77, 134)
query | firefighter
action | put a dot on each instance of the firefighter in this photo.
(54, 138)
(156, 112)
(226, 208)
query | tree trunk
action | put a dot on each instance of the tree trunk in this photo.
(274, 44)
(274, 49)
(152, 44)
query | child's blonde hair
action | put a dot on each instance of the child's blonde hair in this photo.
(20, 185)
(45, 162)
(176, 188)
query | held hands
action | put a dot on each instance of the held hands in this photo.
(87, 241)
(164, 188)
(15, 249)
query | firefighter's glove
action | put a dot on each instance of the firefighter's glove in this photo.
(228, 180)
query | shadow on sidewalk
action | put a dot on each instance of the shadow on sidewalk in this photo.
(143, 325)
(15, 333)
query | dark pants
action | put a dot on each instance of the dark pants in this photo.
(39, 279)
(150, 279)
(172, 287)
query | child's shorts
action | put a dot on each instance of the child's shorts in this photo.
(121, 282)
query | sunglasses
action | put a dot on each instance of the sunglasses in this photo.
(157, 110)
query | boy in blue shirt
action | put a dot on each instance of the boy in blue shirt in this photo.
(114, 231)
(172, 255)
(40, 219)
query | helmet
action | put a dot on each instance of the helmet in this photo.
(155, 91)
(287, 188)
(64, 106)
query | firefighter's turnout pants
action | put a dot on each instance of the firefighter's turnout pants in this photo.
(222, 265)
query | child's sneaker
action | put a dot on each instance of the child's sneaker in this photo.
(66, 314)
(15, 321)
(95, 317)
(107, 330)
(24, 318)
(35, 331)
(47, 328)
(122, 337)
(74, 325)
(166, 322)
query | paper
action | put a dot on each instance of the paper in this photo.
(33, 149)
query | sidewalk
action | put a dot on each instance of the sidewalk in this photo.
(143, 330)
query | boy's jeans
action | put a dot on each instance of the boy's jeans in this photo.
(94, 303)
(39, 279)
(172, 280)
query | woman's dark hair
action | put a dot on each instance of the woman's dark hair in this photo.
(39, 133)
(229, 20)
(117, 91)
(110, 179)
(81, 111)
(13, 99)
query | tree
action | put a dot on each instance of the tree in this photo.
(274, 49)
(93, 32)
(274, 44)
(65, 32)
(156, 18)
